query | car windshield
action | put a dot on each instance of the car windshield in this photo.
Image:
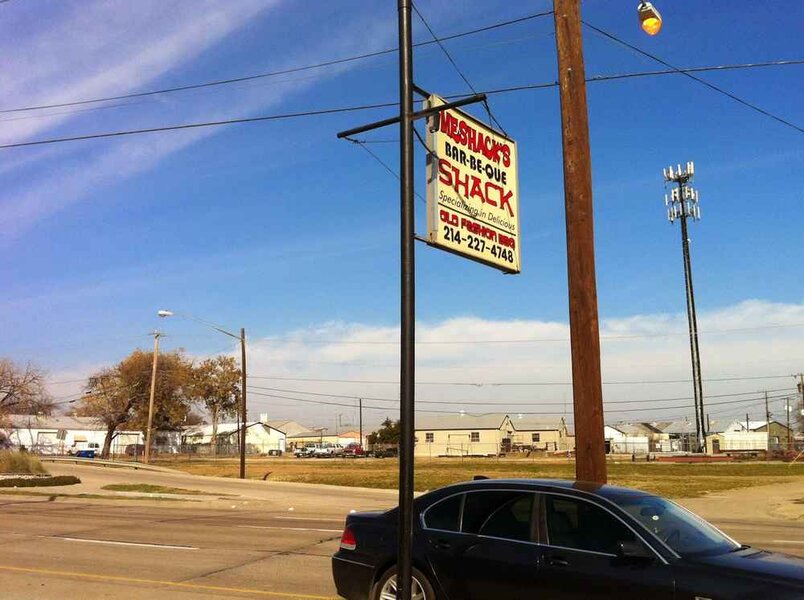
(685, 533)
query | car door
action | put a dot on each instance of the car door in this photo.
(490, 552)
(582, 560)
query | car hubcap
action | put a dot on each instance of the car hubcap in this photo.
(389, 590)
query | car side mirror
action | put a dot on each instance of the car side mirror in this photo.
(634, 551)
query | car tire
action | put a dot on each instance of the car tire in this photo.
(385, 587)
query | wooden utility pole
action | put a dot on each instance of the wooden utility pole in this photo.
(590, 452)
(789, 445)
(362, 445)
(767, 427)
(147, 455)
(243, 410)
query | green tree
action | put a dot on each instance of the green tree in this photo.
(120, 395)
(216, 384)
(388, 433)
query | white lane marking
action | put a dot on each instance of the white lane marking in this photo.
(290, 528)
(115, 543)
(311, 519)
(787, 542)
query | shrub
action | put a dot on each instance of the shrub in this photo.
(40, 481)
(20, 462)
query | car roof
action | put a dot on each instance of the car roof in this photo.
(610, 492)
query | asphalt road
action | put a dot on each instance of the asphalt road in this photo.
(245, 539)
(79, 550)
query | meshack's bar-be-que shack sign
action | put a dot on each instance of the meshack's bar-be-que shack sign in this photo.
(472, 189)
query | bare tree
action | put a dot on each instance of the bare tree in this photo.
(22, 389)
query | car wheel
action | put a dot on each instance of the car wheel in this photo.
(385, 588)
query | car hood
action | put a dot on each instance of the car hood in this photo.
(758, 563)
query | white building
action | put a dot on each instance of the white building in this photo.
(624, 439)
(60, 434)
(261, 438)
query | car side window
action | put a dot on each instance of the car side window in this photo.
(511, 521)
(445, 515)
(498, 513)
(581, 525)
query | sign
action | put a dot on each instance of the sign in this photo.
(472, 189)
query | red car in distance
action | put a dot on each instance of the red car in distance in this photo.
(353, 450)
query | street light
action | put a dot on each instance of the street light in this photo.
(649, 18)
(242, 339)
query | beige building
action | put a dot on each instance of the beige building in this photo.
(549, 435)
(320, 436)
(463, 435)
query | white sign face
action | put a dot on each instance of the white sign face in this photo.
(472, 189)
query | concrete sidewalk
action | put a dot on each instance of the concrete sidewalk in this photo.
(778, 502)
(220, 491)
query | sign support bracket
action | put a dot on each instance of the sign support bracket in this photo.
(421, 114)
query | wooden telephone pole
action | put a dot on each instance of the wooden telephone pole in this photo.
(590, 452)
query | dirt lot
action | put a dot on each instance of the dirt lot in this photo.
(671, 480)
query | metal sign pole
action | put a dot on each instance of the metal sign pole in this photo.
(408, 308)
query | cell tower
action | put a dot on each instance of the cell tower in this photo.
(682, 204)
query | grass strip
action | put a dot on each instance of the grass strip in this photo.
(147, 488)
(39, 481)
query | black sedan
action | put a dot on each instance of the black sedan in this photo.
(495, 539)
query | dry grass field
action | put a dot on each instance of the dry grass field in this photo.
(671, 480)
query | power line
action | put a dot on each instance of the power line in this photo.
(452, 412)
(526, 340)
(385, 166)
(346, 109)
(457, 68)
(507, 383)
(319, 65)
(495, 402)
(278, 117)
(711, 86)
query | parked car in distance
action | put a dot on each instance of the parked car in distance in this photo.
(353, 450)
(328, 450)
(84, 449)
(384, 452)
(305, 451)
(522, 539)
(135, 449)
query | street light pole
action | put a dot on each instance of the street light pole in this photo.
(242, 339)
(590, 451)
(147, 454)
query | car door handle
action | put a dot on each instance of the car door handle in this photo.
(557, 561)
(440, 544)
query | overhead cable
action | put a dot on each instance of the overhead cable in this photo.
(319, 65)
(711, 86)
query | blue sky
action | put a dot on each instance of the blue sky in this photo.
(282, 228)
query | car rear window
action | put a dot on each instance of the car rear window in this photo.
(445, 515)
(511, 521)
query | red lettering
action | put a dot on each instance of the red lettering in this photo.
(448, 218)
(506, 201)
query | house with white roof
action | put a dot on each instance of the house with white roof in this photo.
(261, 438)
(62, 434)
(741, 435)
